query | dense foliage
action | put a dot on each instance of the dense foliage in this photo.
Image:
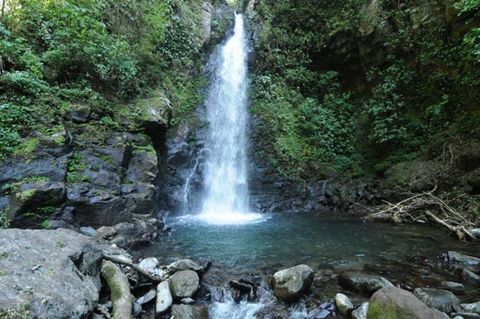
(351, 86)
(101, 53)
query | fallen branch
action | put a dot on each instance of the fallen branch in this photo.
(419, 207)
(122, 299)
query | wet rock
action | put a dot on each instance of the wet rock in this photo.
(184, 284)
(187, 301)
(454, 287)
(363, 283)
(137, 309)
(149, 296)
(184, 264)
(470, 277)
(361, 312)
(88, 231)
(242, 288)
(475, 232)
(48, 273)
(152, 266)
(325, 311)
(289, 284)
(164, 297)
(189, 312)
(400, 304)
(343, 303)
(472, 307)
(457, 258)
(440, 299)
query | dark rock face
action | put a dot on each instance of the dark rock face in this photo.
(55, 276)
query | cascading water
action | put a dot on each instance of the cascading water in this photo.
(225, 176)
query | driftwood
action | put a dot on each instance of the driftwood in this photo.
(423, 207)
(122, 299)
(126, 262)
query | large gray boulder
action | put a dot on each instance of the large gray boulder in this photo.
(48, 274)
(289, 284)
(189, 312)
(397, 303)
(184, 284)
(363, 283)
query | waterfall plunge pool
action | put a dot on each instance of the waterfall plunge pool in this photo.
(405, 254)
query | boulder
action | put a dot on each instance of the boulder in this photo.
(48, 274)
(184, 284)
(440, 299)
(397, 303)
(343, 303)
(361, 312)
(455, 287)
(164, 298)
(289, 284)
(363, 283)
(189, 312)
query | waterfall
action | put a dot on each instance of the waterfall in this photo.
(225, 197)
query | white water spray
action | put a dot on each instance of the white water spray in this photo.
(226, 190)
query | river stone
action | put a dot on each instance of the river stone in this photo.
(440, 299)
(343, 303)
(455, 287)
(472, 307)
(184, 264)
(361, 312)
(397, 303)
(146, 298)
(48, 274)
(463, 259)
(189, 312)
(470, 277)
(164, 297)
(151, 266)
(363, 283)
(289, 284)
(184, 284)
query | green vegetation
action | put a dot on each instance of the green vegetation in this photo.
(332, 100)
(100, 53)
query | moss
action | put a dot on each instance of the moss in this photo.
(19, 312)
(46, 224)
(399, 175)
(27, 147)
(25, 195)
(76, 169)
(380, 310)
